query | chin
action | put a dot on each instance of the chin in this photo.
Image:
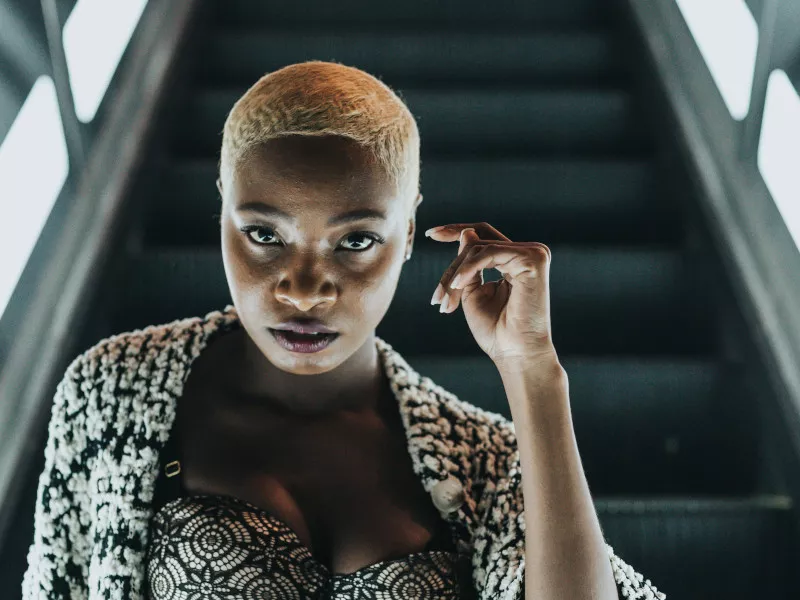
(305, 367)
(298, 363)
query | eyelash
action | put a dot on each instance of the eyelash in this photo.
(247, 229)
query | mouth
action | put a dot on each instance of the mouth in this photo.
(303, 342)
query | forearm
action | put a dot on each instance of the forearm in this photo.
(565, 553)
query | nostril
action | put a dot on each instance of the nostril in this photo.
(303, 303)
(306, 298)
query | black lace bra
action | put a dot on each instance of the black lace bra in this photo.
(213, 546)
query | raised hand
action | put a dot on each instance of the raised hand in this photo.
(509, 318)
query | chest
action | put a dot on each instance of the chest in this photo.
(345, 486)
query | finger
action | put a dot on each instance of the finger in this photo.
(467, 237)
(463, 237)
(470, 245)
(444, 282)
(514, 261)
(452, 231)
(452, 297)
(447, 276)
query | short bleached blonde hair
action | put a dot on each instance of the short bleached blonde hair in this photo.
(326, 98)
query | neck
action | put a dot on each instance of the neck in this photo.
(357, 385)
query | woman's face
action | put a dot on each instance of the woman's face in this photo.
(307, 264)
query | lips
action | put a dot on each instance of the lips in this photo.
(309, 327)
(298, 342)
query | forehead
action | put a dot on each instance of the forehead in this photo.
(304, 167)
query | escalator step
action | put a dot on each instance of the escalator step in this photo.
(470, 122)
(632, 301)
(695, 549)
(644, 425)
(441, 14)
(239, 57)
(590, 202)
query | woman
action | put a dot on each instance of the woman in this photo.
(308, 459)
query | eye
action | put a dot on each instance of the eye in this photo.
(265, 232)
(355, 242)
(362, 241)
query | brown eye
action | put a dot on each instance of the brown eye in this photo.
(265, 231)
(364, 236)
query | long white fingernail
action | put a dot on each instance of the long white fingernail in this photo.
(434, 298)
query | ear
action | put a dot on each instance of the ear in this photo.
(219, 185)
(412, 224)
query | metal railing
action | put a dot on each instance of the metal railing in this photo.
(720, 153)
(67, 266)
(778, 48)
(73, 130)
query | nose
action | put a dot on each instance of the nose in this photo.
(304, 288)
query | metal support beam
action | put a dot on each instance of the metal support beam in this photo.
(73, 130)
(760, 255)
(92, 220)
(751, 125)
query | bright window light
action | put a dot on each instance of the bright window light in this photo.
(33, 168)
(779, 149)
(727, 35)
(95, 36)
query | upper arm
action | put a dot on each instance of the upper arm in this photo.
(58, 556)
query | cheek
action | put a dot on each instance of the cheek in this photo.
(372, 293)
(239, 271)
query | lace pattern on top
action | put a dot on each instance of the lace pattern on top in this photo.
(213, 547)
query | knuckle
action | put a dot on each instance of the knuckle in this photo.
(471, 253)
(542, 250)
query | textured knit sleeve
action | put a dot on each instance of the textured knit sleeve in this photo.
(500, 537)
(59, 555)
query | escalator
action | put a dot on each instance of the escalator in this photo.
(536, 118)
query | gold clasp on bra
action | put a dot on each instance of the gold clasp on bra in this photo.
(172, 468)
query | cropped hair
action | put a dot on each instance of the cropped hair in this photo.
(326, 98)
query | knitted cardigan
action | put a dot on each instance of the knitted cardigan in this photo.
(112, 415)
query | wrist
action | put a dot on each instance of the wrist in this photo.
(542, 365)
(536, 389)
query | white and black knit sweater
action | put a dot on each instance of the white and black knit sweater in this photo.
(112, 415)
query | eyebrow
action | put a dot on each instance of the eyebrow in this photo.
(353, 215)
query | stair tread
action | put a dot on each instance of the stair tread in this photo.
(443, 13)
(577, 201)
(693, 505)
(470, 121)
(414, 57)
(633, 299)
